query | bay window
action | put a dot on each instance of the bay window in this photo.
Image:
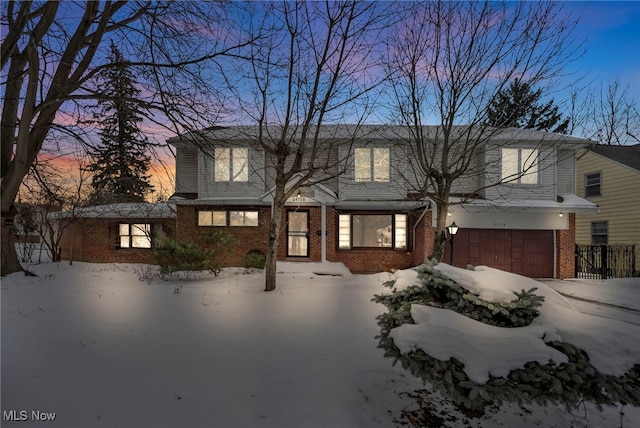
(372, 231)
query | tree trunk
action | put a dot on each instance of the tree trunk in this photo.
(10, 262)
(274, 240)
(440, 238)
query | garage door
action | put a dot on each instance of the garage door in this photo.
(525, 252)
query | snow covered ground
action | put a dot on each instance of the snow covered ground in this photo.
(100, 348)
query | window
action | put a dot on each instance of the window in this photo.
(243, 218)
(520, 166)
(227, 218)
(372, 231)
(372, 164)
(344, 231)
(212, 218)
(231, 164)
(592, 183)
(599, 232)
(134, 235)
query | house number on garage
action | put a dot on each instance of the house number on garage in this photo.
(500, 224)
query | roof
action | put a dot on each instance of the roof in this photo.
(568, 203)
(122, 210)
(626, 155)
(372, 132)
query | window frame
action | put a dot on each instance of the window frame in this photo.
(227, 217)
(594, 226)
(372, 170)
(519, 176)
(597, 186)
(131, 227)
(228, 160)
(345, 238)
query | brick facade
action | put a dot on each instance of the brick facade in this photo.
(565, 250)
(96, 240)
(249, 238)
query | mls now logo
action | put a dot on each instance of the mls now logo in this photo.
(23, 415)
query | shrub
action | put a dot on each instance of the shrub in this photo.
(174, 256)
(254, 259)
(569, 383)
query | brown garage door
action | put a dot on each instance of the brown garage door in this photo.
(525, 252)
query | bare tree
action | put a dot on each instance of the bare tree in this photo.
(448, 61)
(52, 191)
(614, 116)
(53, 50)
(308, 67)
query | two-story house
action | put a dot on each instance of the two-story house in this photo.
(609, 176)
(367, 215)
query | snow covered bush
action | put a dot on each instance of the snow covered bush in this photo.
(174, 256)
(480, 325)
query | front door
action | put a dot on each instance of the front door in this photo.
(298, 233)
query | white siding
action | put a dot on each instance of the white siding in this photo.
(394, 189)
(186, 169)
(566, 172)
(544, 190)
(209, 188)
(507, 220)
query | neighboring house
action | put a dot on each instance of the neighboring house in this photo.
(368, 218)
(115, 233)
(609, 176)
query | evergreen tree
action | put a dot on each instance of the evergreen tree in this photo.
(519, 106)
(120, 163)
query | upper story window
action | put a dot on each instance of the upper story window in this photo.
(372, 164)
(231, 164)
(520, 166)
(134, 235)
(592, 185)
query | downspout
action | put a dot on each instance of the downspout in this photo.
(415, 226)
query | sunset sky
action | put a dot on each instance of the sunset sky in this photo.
(613, 53)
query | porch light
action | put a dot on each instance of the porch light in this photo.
(561, 214)
(453, 229)
(299, 194)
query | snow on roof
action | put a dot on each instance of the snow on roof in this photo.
(121, 210)
(566, 202)
(612, 345)
(374, 132)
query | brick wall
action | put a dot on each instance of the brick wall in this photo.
(249, 238)
(565, 250)
(425, 234)
(368, 260)
(96, 241)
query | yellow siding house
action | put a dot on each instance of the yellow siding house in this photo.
(609, 176)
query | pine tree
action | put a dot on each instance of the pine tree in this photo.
(519, 106)
(120, 163)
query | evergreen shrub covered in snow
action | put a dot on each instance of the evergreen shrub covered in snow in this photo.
(568, 383)
(174, 256)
